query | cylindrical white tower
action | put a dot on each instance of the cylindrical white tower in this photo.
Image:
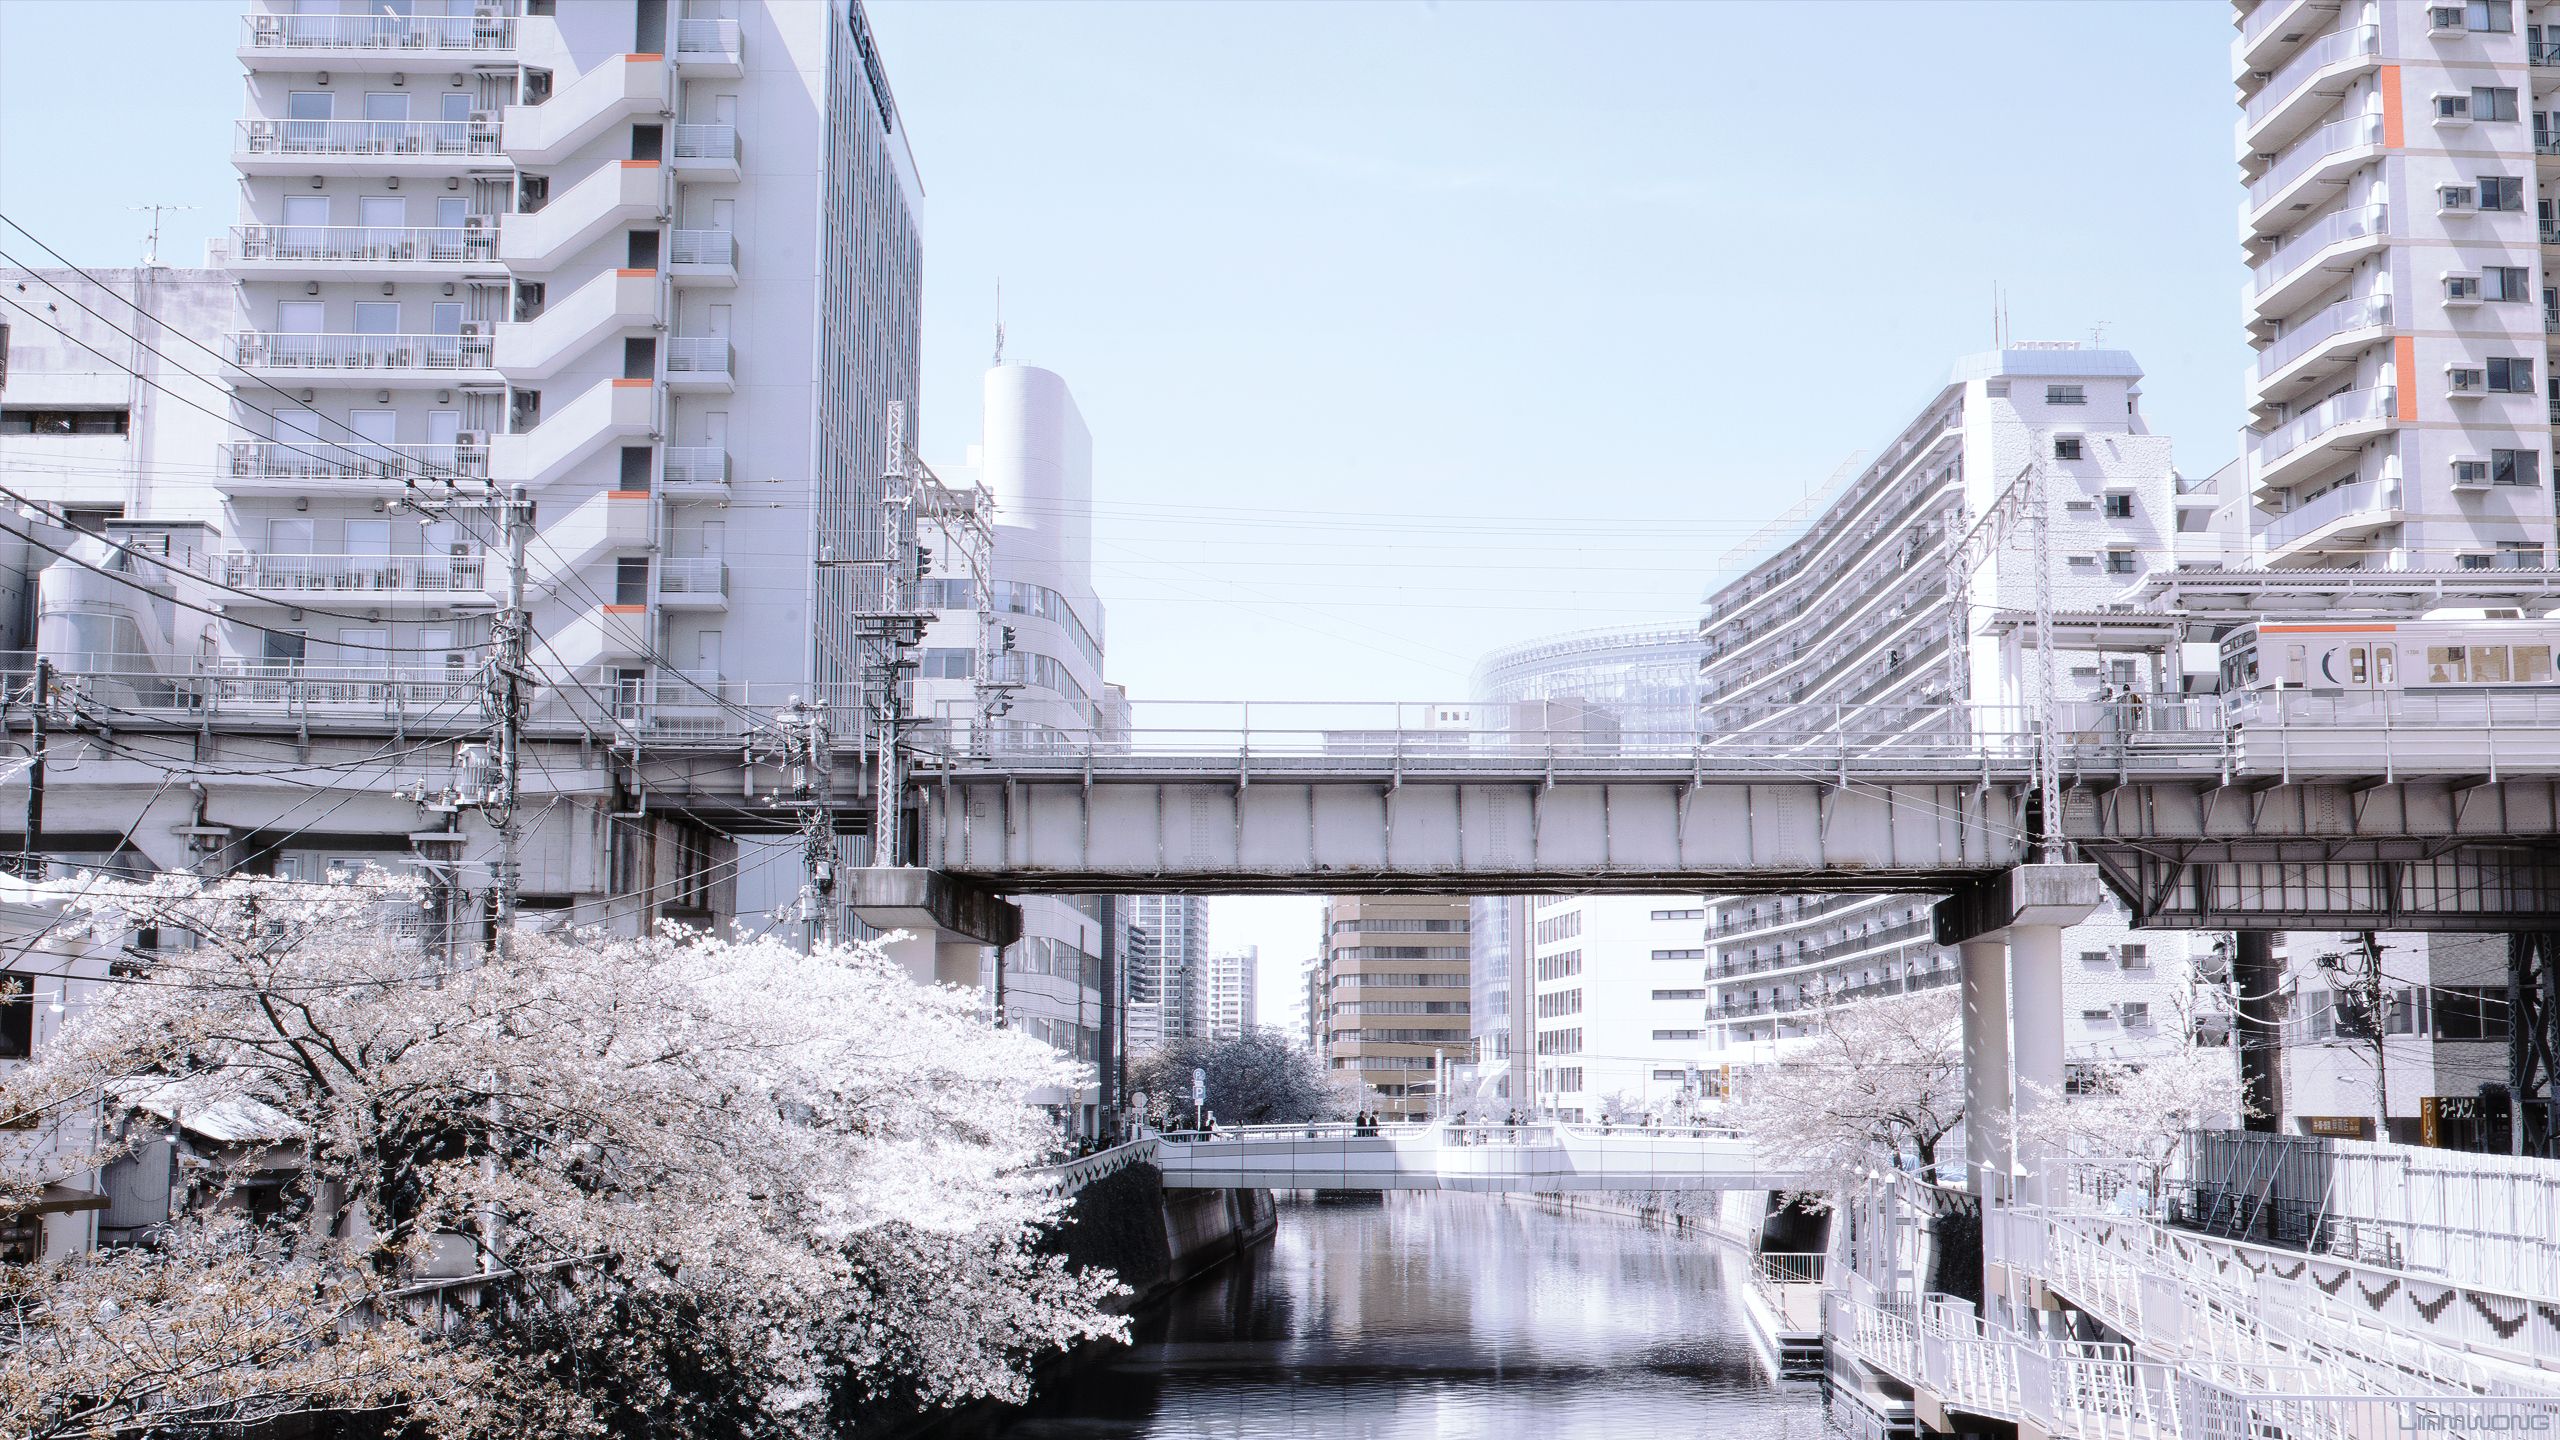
(1037, 459)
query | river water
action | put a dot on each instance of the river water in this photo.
(1435, 1315)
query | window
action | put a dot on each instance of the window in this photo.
(1679, 994)
(2066, 447)
(2066, 395)
(2456, 197)
(2134, 957)
(2471, 562)
(2510, 375)
(17, 1016)
(2470, 472)
(1679, 914)
(283, 647)
(2467, 1012)
(1678, 1034)
(2119, 507)
(1679, 954)
(2491, 16)
(2506, 282)
(2097, 1017)
(947, 664)
(2519, 555)
(2093, 957)
(2459, 288)
(2514, 467)
(15, 421)
(631, 580)
(2501, 192)
(2493, 102)
(2137, 1012)
(2453, 107)
(2465, 380)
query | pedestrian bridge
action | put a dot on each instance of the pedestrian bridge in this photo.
(1534, 1158)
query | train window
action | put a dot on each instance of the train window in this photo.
(2448, 665)
(2489, 664)
(2533, 664)
(2383, 666)
(2355, 664)
(2296, 665)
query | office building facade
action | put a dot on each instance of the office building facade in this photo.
(1396, 995)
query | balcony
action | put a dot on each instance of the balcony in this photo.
(365, 360)
(2296, 451)
(2325, 156)
(361, 147)
(693, 584)
(2309, 83)
(706, 152)
(703, 257)
(2351, 510)
(702, 363)
(303, 467)
(2315, 259)
(2271, 30)
(362, 252)
(708, 49)
(2339, 330)
(373, 580)
(613, 410)
(376, 42)
(616, 196)
(616, 302)
(621, 89)
(694, 472)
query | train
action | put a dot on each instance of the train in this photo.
(2489, 653)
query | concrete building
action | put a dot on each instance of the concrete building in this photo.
(1396, 988)
(1311, 1008)
(1175, 972)
(656, 265)
(2395, 157)
(1232, 977)
(1610, 990)
(1852, 604)
(1024, 657)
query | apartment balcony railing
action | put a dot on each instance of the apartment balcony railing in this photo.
(2376, 500)
(437, 575)
(368, 139)
(2333, 142)
(2545, 143)
(707, 143)
(365, 244)
(703, 255)
(2364, 312)
(2354, 407)
(2289, 257)
(2358, 43)
(711, 44)
(424, 36)
(700, 361)
(2544, 53)
(693, 468)
(693, 578)
(318, 460)
(276, 350)
(2255, 25)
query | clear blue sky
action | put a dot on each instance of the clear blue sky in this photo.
(1408, 330)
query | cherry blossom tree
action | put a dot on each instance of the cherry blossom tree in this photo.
(1874, 1086)
(2128, 1119)
(718, 1187)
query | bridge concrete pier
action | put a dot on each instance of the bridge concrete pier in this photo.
(2013, 1052)
(945, 925)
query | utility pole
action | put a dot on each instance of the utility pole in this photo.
(808, 755)
(2048, 738)
(30, 859)
(509, 637)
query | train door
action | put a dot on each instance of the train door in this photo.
(2373, 671)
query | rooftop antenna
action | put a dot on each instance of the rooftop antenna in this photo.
(151, 247)
(2098, 335)
(999, 320)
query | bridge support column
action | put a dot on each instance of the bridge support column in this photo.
(948, 924)
(2035, 1010)
(2257, 982)
(1986, 1067)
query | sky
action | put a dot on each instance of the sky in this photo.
(1408, 330)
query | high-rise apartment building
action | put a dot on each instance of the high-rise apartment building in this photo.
(1497, 949)
(1396, 988)
(654, 264)
(1232, 977)
(1852, 606)
(2395, 155)
(1176, 968)
(1024, 657)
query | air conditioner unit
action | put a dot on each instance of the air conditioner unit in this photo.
(484, 119)
(471, 439)
(475, 222)
(475, 329)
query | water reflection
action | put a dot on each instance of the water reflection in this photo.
(1437, 1316)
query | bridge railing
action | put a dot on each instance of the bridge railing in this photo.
(1069, 1176)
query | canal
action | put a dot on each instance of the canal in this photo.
(1437, 1316)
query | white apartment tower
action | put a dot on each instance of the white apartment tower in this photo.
(1174, 974)
(1232, 977)
(2398, 158)
(655, 264)
(1852, 606)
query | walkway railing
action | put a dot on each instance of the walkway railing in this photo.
(1069, 1176)
(1532, 1157)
